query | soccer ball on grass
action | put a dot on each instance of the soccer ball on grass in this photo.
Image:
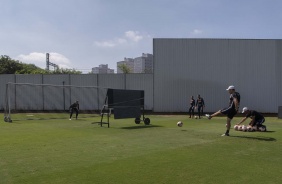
(249, 128)
(179, 124)
(244, 128)
(262, 129)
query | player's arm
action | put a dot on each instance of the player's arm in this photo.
(236, 103)
(244, 119)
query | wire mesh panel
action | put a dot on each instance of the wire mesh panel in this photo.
(126, 103)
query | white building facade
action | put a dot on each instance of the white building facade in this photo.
(103, 68)
(143, 64)
(128, 62)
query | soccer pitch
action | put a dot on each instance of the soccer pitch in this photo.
(57, 150)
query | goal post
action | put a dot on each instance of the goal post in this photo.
(27, 97)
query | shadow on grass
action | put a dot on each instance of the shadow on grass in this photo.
(52, 118)
(269, 131)
(256, 138)
(140, 127)
(37, 119)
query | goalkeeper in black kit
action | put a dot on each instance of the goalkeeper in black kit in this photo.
(74, 107)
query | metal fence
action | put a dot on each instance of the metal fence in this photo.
(26, 97)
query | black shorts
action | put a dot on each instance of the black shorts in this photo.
(259, 122)
(229, 111)
(73, 109)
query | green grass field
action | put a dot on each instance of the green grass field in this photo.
(56, 150)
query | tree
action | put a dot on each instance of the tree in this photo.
(10, 66)
(65, 71)
(124, 68)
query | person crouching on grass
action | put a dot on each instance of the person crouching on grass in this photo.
(74, 107)
(231, 110)
(257, 118)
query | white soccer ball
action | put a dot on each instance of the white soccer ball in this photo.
(262, 129)
(236, 127)
(196, 117)
(240, 128)
(249, 128)
(255, 128)
(244, 128)
(179, 124)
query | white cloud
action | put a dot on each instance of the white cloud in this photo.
(105, 44)
(196, 32)
(39, 59)
(133, 35)
(129, 37)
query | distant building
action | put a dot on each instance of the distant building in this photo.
(143, 64)
(129, 62)
(102, 69)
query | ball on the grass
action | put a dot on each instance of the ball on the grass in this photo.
(262, 128)
(249, 128)
(244, 128)
(196, 117)
(236, 127)
(179, 124)
(240, 128)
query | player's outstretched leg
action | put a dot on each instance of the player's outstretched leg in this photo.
(214, 114)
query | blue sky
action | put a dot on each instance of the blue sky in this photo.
(82, 34)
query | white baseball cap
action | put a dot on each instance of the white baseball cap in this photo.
(245, 109)
(230, 87)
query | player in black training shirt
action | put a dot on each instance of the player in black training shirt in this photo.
(231, 110)
(200, 104)
(74, 107)
(192, 106)
(257, 118)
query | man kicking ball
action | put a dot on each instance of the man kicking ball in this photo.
(231, 110)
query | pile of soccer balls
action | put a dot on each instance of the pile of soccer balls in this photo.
(249, 128)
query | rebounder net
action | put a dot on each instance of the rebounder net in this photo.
(26, 99)
(125, 104)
